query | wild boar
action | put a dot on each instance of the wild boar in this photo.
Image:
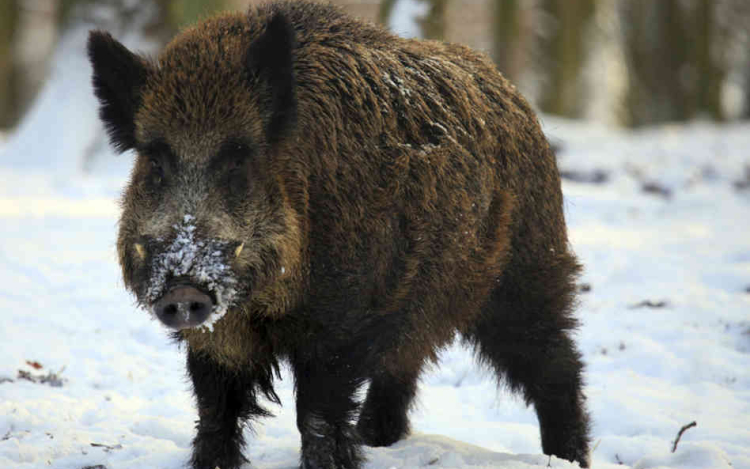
(311, 188)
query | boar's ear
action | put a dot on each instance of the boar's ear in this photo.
(118, 78)
(270, 61)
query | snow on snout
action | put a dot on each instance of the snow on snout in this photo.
(203, 260)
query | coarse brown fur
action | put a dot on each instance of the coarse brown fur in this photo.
(389, 194)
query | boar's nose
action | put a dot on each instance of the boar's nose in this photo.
(183, 307)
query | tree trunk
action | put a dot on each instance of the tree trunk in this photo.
(9, 107)
(564, 50)
(384, 12)
(433, 23)
(710, 70)
(506, 37)
(674, 71)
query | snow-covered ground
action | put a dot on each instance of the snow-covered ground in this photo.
(660, 217)
(124, 401)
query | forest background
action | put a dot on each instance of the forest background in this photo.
(620, 62)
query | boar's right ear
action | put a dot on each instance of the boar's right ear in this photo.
(270, 60)
(118, 78)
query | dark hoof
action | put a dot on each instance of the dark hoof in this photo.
(335, 450)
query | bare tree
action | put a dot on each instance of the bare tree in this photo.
(8, 68)
(433, 23)
(564, 50)
(675, 60)
(507, 37)
(384, 12)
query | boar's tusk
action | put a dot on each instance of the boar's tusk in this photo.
(239, 250)
(140, 250)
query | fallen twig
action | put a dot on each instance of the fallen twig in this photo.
(596, 176)
(656, 188)
(51, 378)
(682, 430)
(744, 183)
(107, 448)
(650, 304)
(596, 445)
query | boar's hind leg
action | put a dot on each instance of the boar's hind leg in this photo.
(225, 398)
(524, 334)
(384, 418)
(325, 389)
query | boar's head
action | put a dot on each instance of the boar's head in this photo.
(206, 222)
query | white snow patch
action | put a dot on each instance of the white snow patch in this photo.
(689, 456)
(445, 132)
(396, 82)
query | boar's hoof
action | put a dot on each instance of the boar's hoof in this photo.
(183, 307)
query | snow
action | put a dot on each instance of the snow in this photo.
(125, 401)
(203, 260)
(397, 83)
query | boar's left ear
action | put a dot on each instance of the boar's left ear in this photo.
(118, 78)
(270, 60)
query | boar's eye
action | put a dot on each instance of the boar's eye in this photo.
(157, 171)
(234, 155)
(159, 155)
(234, 162)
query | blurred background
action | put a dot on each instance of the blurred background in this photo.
(626, 63)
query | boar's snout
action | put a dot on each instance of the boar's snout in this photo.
(183, 306)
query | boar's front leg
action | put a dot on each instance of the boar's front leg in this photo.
(325, 387)
(225, 398)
